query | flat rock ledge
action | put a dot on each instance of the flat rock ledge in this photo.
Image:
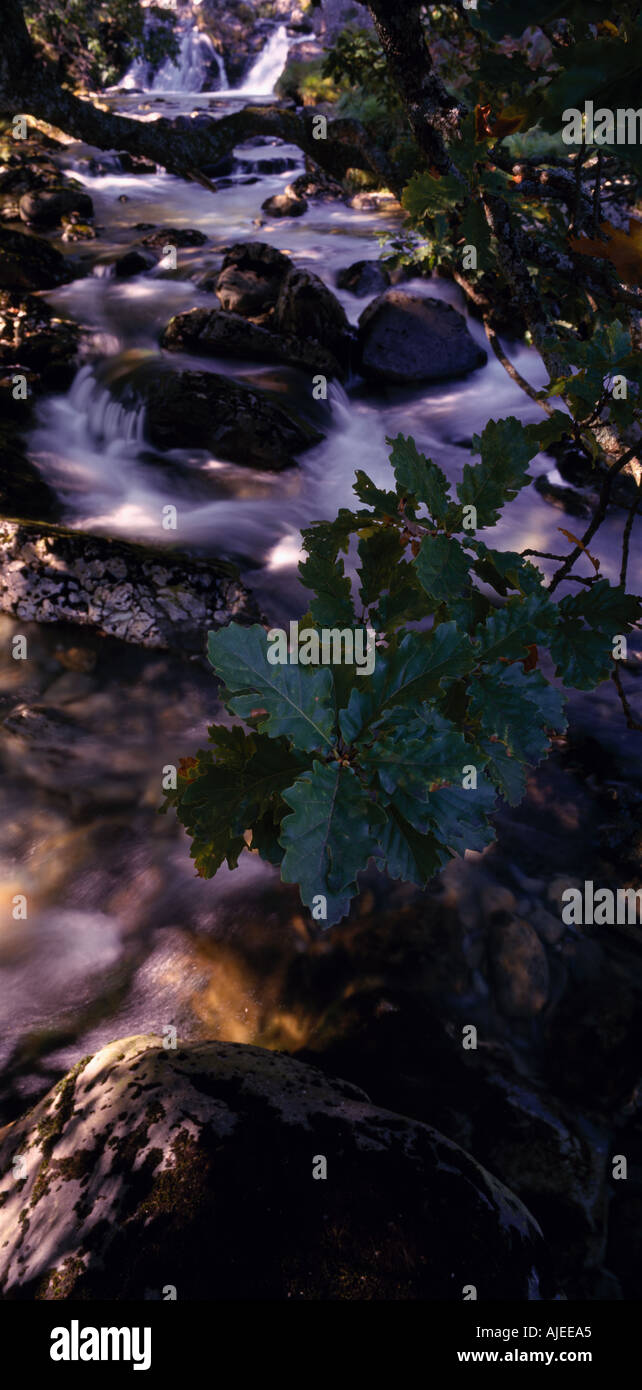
(195, 1167)
(155, 598)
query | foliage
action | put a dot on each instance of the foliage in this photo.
(307, 83)
(402, 766)
(357, 60)
(92, 41)
(357, 65)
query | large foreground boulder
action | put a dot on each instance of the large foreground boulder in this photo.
(196, 1168)
(202, 410)
(405, 338)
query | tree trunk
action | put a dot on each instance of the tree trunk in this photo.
(154, 598)
(433, 114)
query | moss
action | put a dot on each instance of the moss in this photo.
(59, 1283)
(50, 1129)
(52, 1126)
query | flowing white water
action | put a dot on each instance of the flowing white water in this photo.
(105, 893)
(265, 72)
(196, 56)
(110, 478)
(197, 53)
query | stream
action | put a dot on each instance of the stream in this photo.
(121, 936)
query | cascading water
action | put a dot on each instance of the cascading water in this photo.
(265, 72)
(196, 58)
(197, 54)
(140, 712)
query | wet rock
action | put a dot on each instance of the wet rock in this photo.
(306, 308)
(316, 182)
(206, 411)
(596, 1029)
(135, 163)
(375, 200)
(549, 928)
(226, 165)
(23, 490)
(75, 230)
(144, 1159)
(519, 968)
(269, 165)
(109, 163)
(31, 334)
(27, 263)
(407, 337)
(557, 1164)
(213, 332)
(565, 499)
(286, 204)
(47, 207)
(497, 901)
(251, 277)
(175, 236)
(155, 598)
(22, 177)
(133, 262)
(363, 278)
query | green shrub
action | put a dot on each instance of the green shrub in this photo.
(306, 83)
(404, 765)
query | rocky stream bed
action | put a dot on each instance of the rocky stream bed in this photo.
(168, 334)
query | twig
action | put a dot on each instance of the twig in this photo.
(581, 156)
(626, 539)
(596, 522)
(596, 193)
(512, 369)
(632, 722)
(480, 302)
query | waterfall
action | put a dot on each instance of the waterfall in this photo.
(265, 72)
(188, 73)
(196, 55)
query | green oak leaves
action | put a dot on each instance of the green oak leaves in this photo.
(401, 766)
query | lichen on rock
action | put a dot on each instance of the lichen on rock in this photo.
(197, 1163)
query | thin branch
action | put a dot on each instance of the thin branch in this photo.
(632, 722)
(596, 521)
(626, 539)
(596, 193)
(512, 370)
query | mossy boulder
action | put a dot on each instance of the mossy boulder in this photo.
(195, 1167)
